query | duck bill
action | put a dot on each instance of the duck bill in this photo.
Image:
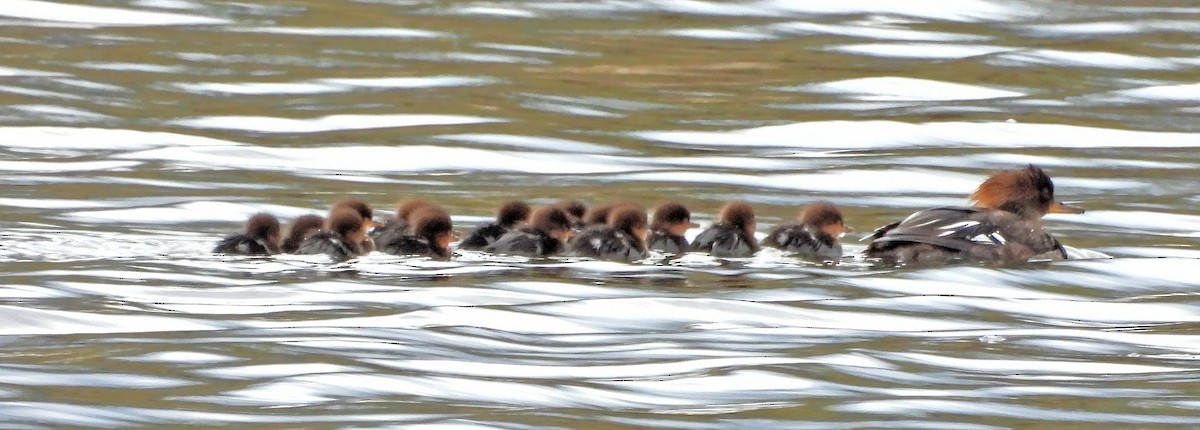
(1059, 208)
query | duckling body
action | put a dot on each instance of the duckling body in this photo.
(508, 217)
(621, 239)
(261, 237)
(667, 227)
(549, 228)
(430, 236)
(731, 236)
(815, 236)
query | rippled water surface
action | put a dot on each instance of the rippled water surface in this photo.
(134, 134)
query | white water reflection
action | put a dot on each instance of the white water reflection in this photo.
(98, 16)
(891, 88)
(862, 135)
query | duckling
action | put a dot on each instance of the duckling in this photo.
(366, 213)
(301, 228)
(575, 211)
(261, 237)
(815, 237)
(622, 239)
(549, 228)
(671, 221)
(400, 224)
(732, 235)
(340, 240)
(510, 215)
(432, 232)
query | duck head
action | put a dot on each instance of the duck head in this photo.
(1027, 192)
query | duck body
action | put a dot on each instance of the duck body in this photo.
(331, 244)
(725, 240)
(665, 241)
(608, 243)
(483, 236)
(410, 245)
(529, 242)
(804, 240)
(260, 237)
(1004, 224)
(243, 244)
(949, 234)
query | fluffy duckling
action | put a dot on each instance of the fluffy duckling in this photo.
(575, 211)
(1003, 225)
(622, 239)
(815, 237)
(301, 228)
(548, 230)
(732, 235)
(667, 228)
(400, 224)
(340, 240)
(432, 232)
(261, 237)
(510, 215)
(368, 220)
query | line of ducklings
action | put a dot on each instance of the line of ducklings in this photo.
(1002, 224)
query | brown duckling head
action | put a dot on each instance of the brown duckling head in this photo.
(434, 225)
(575, 211)
(599, 215)
(553, 221)
(362, 208)
(406, 208)
(739, 214)
(673, 218)
(348, 224)
(513, 213)
(1027, 192)
(265, 227)
(302, 228)
(629, 219)
(825, 217)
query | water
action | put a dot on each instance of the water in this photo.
(135, 134)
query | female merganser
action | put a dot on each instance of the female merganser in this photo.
(341, 239)
(670, 222)
(400, 223)
(816, 236)
(624, 238)
(368, 221)
(301, 228)
(549, 228)
(432, 232)
(732, 235)
(261, 237)
(1005, 224)
(508, 217)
